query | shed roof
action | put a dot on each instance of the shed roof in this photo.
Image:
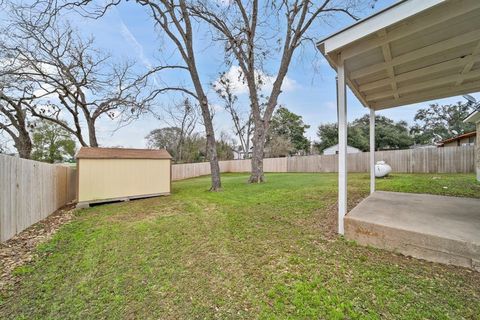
(122, 153)
(413, 51)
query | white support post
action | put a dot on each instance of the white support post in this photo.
(342, 145)
(372, 151)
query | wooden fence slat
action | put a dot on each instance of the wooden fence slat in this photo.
(30, 191)
(431, 160)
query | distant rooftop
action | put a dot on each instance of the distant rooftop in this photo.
(460, 136)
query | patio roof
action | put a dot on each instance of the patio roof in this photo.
(413, 51)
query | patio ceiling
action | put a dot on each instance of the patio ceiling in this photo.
(413, 51)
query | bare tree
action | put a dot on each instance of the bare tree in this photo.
(184, 117)
(71, 80)
(243, 126)
(13, 121)
(173, 19)
(15, 99)
(246, 29)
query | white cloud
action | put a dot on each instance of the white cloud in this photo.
(239, 84)
(46, 92)
(216, 108)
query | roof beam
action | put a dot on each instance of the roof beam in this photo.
(468, 66)
(424, 85)
(450, 10)
(332, 60)
(438, 93)
(387, 55)
(439, 67)
(419, 53)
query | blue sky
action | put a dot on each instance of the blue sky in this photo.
(128, 33)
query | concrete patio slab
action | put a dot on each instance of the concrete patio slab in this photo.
(435, 228)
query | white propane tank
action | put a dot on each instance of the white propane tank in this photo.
(382, 169)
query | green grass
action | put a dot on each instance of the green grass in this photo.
(251, 251)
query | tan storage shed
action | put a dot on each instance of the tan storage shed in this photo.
(109, 174)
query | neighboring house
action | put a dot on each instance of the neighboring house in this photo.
(466, 139)
(474, 117)
(334, 150)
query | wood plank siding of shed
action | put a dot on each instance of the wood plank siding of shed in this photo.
(101, 179)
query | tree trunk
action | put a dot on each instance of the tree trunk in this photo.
(214, 166)
(211, 147)
(262, 124)
(257, 175)
(92, 134)
(207, 119)
(23, 144)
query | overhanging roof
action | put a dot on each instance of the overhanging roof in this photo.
(413, 51)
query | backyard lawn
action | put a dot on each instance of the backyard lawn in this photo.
(251, 251)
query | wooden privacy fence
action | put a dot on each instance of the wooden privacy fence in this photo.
(30, 191)
(429, 160)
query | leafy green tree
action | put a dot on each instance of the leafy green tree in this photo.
(388, 134)
(291, 127)
(328, 134)
(52, 143)
(165, 138)
(438, 122)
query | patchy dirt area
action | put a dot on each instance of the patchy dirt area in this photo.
(20, 249)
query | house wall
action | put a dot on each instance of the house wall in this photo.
(461, 142)
(102, 179)
(477, 152)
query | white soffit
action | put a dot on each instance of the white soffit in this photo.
(414, 51)
(473, 117)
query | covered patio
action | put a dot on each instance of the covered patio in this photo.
(413, 51)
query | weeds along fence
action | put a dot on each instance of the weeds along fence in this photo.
(30, 191)
(429, 160)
